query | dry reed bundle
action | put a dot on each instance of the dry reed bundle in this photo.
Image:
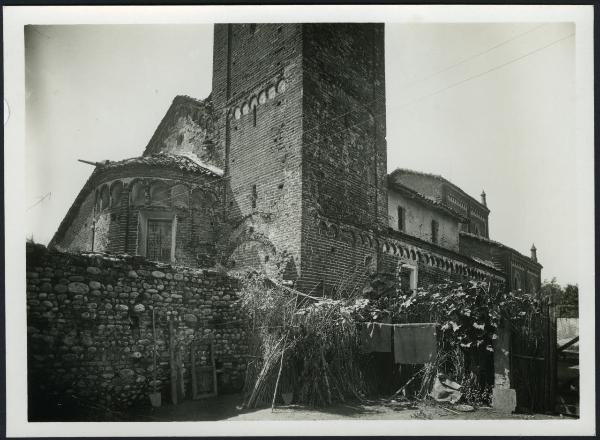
(311, 348)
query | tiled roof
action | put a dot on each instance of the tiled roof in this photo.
(187, 162)
(497, 244)
(427, 200)
(486, 262)
(439, 178)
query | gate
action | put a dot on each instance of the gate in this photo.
(533, 363)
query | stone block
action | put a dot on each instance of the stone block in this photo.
(504, 400)
(78, 287)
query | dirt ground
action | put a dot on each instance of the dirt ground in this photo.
(229, 408)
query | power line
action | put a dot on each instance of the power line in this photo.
(488, 71)
(445, 69)
(376, 115)
(39, 201)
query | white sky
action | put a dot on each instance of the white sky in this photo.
(488, 106)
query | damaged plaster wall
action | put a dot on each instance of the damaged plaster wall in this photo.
(187, 127)
(418, 218)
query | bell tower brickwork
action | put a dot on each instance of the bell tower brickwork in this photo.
(300, 117)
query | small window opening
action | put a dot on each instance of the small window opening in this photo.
(280, 186)
(434, 231)
(332, 249)
(254, 196)
(253, 28)
(400, 218)
(266, 258)
(254, 115)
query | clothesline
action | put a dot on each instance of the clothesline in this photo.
(408, 324)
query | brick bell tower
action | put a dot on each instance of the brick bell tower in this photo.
(300, 117)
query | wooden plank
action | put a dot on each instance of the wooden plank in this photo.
(193, 372)
(523, 356)
(172, 364)
(568, 344)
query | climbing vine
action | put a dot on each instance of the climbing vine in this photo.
(470, 313)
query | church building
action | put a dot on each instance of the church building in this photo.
(283, 169)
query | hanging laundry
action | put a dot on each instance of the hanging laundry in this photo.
(375, 337)
(415, 343)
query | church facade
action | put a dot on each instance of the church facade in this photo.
(283, 169)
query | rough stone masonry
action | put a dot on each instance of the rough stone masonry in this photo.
(89, 325)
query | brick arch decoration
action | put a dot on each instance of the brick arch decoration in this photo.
(334, 231)
(202, 198)
(248, 248)
(160, 193)
(103, 201)
(352, 237)
(137, 192)
(323, 228)
(116, 189)
(180, 195)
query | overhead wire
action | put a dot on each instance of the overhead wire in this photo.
(39, 201)
(477, 55)
(374, 116)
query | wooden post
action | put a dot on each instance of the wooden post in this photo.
(277, 381)
(193, 368)
(180, 378)
(172, 363)
(154, 366)
(214, 366)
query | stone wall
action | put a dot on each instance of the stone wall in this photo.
(90, 331)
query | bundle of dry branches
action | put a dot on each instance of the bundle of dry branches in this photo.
(305, 347)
